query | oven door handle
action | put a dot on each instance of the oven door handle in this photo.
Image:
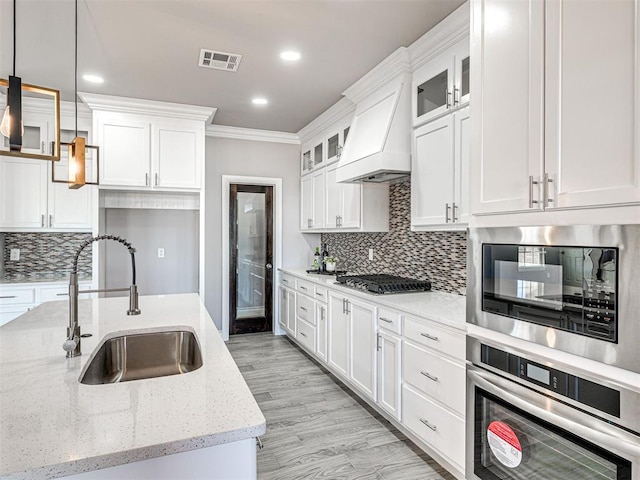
(606, 436)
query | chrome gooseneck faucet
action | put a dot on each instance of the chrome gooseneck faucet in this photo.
(72, 344)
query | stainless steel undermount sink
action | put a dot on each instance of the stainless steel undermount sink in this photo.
(143, 355)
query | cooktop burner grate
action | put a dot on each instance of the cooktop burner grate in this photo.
(384, 284)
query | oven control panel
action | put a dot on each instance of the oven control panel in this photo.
(583, 391)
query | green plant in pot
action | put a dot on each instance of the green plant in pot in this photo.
(330, 262)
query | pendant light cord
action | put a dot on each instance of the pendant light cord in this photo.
(75, 70)
(14, 38)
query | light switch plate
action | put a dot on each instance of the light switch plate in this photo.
(15, 254)
(161, 253)
(371, 254)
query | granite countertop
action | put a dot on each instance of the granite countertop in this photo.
(52, 425)
(445, 308)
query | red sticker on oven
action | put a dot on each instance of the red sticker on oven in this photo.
(504, 444)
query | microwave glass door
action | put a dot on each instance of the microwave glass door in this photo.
(568, 288)
(510, 444)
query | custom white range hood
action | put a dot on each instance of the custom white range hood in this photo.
(378, 148)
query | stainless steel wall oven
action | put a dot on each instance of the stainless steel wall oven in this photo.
(574, 288)
(529, 418)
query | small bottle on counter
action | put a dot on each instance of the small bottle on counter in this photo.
(317, 261)
(325, 254)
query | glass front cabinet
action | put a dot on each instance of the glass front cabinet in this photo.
(442, 84)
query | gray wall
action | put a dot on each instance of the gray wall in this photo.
(147, 230)
(226, 156)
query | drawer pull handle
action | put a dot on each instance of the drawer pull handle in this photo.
(430, 337)
(386, 320)
(9, 296)
(432, 427)
(303, 334)
(320, 294)
(429, 376)
(62, 294)
(303, 309)
(285, 280)
(303, 288)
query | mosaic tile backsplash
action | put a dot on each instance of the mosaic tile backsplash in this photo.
(440, 257)
(45, 254)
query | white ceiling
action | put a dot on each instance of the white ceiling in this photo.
(149, 49)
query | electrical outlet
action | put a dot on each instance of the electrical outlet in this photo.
(161, 253)
(15, 254)
(371, 254)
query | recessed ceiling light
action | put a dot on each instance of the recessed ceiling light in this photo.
(290, 56)
(93, 78)
(259, 101)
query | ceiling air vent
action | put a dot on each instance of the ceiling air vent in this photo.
(219, 60)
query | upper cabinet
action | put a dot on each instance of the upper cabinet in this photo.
(146, 144)
(442, 84)
(313, 156)
(558, 98)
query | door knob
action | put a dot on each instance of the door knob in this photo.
(269, 266)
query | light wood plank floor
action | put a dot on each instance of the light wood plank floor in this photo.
(317, 428)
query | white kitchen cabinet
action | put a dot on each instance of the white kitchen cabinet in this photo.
(30, 201)
(287, 313)
(335, 139)
(362, 348)
(176, 153)
(312, 194)
(442, 84)
(321, 330)
(389, 348)
(440, 172)
(338, 333)
(559, 112)
(343, 202)
(37, 133)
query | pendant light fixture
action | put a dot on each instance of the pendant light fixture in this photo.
(78, 147)
(12, 125)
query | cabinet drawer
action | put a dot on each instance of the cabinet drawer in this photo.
(435, 376)
(306, 309)
(435, 337)
(304, 287)
(287, 280)
(306, 335)
(61, 292)
(17, 296)
(320, 293)
(442, 430)
(390, 320)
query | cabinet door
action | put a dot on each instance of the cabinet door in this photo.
(305, 160)
(462, 71)
(432, 173)
(333, 201)
(338, 334)
(124, 152)
(177, 157)
(321, 331)
(306, 198)
(318, 154)
(389, 373)
(592, 124)
(317, 218)
(461, 152)
(23, 193)
(291, 312)
(36, 135)
(70, 209)
(362, 371)
(284, 308)
(433, 88)
(351, 203)
(507, 47)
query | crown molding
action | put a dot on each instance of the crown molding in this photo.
(338, 111)
(253, 134)
(448, 32)
(395, 64)
(150, 107)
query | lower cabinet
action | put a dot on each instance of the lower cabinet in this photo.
(362, 354)
(321, 330)
(287, 314)
(389, 373)
(338, 333)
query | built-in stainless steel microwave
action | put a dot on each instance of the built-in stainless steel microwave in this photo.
(575, 288)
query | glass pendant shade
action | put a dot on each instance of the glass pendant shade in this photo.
(5, 126)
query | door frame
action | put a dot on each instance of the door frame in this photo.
(276, 183)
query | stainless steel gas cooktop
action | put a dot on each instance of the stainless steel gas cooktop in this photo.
(384, 284)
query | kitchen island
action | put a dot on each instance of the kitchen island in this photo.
(198, 424)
